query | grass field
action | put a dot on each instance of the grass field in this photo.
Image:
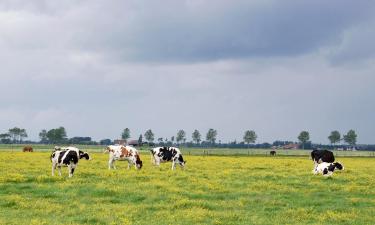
(211, 190)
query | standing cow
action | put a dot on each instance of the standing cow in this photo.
(319, 156)
(123, 153)
(166, 154)
(67, 156)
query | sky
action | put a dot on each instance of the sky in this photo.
(275, 67)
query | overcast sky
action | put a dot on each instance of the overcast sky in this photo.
(276, 67)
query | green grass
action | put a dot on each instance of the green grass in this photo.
(211, 190)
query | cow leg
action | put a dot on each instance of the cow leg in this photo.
(152, 160)
(315, 166)
(53, 169)
(59, 169)
(110, 164)
(173, 164)
(71, 169)
(129, 165)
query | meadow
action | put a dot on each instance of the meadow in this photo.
(211, 190)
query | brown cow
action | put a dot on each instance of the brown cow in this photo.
(120, 152)
(27, 149)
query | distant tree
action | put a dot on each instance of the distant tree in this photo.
(22, 134)
(304, 137)
(140, 140)
(160, 140)
(43, 137)
(172, 139)
(334, 137)
(105, 142)
(180, 136)
(5, 138)
(196, 136)
(249, 137)
(125, 134)
(57, 135)
(17, 134)
(14, 134)
(351, 137)
(211, 136)
(149, 136)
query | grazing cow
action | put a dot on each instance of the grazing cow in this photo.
(319, 156)
(67, 156)
(326, 169)
(272, 153)
(27, 149)
(120, 152)
(166, 154)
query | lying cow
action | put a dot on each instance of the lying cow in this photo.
(120, 152)
(67, 156)
(327, 169)
(319, 156)
(166, 154)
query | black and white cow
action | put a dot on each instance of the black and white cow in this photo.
(167, 154)
(319, 156)
(67, 156)
(327, 169)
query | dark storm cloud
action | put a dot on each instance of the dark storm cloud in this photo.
(188, 31)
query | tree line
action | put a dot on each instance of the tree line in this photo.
(59, 136)
(349, 138)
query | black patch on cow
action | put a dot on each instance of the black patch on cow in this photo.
(325, 171)
(167, 153)
(62, 153)
(71, 156)
(322, 156)
(331, 167)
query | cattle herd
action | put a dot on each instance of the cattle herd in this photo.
(324, 160)
(70, 156)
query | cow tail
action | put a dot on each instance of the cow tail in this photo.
(152, 158)
(52, 155)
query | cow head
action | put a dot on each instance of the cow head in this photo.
(338, 166)
(84, 155)
(181, 161)
(138, 162)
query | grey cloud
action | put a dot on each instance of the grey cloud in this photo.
(224, 30)
(96, 67)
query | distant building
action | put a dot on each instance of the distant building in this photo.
(120, 142)
(291, 146)
(133, 142)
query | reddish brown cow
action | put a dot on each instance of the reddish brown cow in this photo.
(27, 149)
